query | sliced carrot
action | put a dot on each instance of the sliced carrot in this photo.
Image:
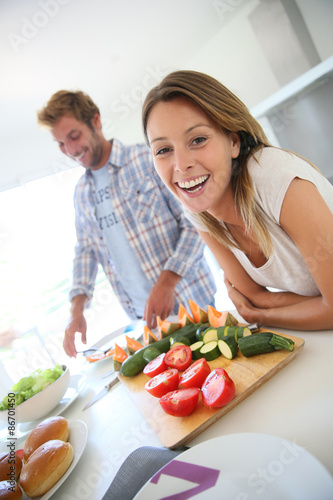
(199, 314)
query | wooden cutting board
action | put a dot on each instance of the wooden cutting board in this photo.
(247, 373)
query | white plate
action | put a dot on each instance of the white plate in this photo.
(78, 434)
(242, 467)
(76, 384)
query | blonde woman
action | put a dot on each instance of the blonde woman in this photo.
(265, 213)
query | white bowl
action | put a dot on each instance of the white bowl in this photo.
(42, 403)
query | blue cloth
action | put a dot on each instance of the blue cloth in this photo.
(122, 255)
(155, 227)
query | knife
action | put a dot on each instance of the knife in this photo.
(102, 393)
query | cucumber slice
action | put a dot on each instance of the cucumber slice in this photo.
(228, 347)
(210, 351)
(209, 335)
(242, 331)
(231, 332)
(150, 354)
(200, 331)
(195, 348)
(222, 332)
(178, 340)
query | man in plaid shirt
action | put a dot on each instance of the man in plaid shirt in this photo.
(126, 220)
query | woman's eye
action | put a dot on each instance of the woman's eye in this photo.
(162, 151)
(199, 140)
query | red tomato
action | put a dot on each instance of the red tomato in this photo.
(195, 374)
(180, 403)
(179, 357)
(155, 366)
(218, 389)
(162, 383)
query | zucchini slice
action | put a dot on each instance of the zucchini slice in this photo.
(222, 331)
(228, 347)
(209, 335)
(242, 331)
(195, 348)
(200, 331)
(210, 351)
(263, 342)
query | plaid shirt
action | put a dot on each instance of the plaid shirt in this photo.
(161, 237)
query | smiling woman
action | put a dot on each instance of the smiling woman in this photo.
(265, 213)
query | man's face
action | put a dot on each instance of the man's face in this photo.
(78, 141)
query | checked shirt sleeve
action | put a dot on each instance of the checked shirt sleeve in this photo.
(85, 263)
(187, 256)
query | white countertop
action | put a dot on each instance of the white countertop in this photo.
(295, 404)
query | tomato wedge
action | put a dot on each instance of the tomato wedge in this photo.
(163, 382)
(218, 389)
(180, 403)
(179, 357)
(155, 366)
(195, 374)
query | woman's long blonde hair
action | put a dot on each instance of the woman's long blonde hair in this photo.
(231, 115)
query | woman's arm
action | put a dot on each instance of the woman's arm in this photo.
(307, 219)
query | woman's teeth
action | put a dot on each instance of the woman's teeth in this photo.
(193, 185)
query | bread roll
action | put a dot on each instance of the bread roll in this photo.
(10, 466)
(45, 467)
(10, 490)
(50, 428)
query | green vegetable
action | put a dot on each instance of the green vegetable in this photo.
(200, 331)
(210, 351)
(150, 354)
(209, 335)
(135, 364)
(262, 343)
(195, 348)
(27, 387)
(228, 347)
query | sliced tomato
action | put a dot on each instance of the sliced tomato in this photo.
(163, 382)
(218, 389)
(195, 374)
(179, 357)
(155, 366)
(180, 403)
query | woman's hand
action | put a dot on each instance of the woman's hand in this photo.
(244, 307)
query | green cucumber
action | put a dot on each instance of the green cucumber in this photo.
(262, 343)
(201, 330)
(151, 353)
(222, 331)
(242, 331)
(195, 348)
(210, 351)
(209, 335)
(178, 340)
(135, 364)
(228, 347)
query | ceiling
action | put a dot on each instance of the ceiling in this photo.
(115, 50)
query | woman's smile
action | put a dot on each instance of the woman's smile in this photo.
(191, 154)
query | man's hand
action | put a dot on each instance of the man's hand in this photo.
(161, 299)
(77, 323)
